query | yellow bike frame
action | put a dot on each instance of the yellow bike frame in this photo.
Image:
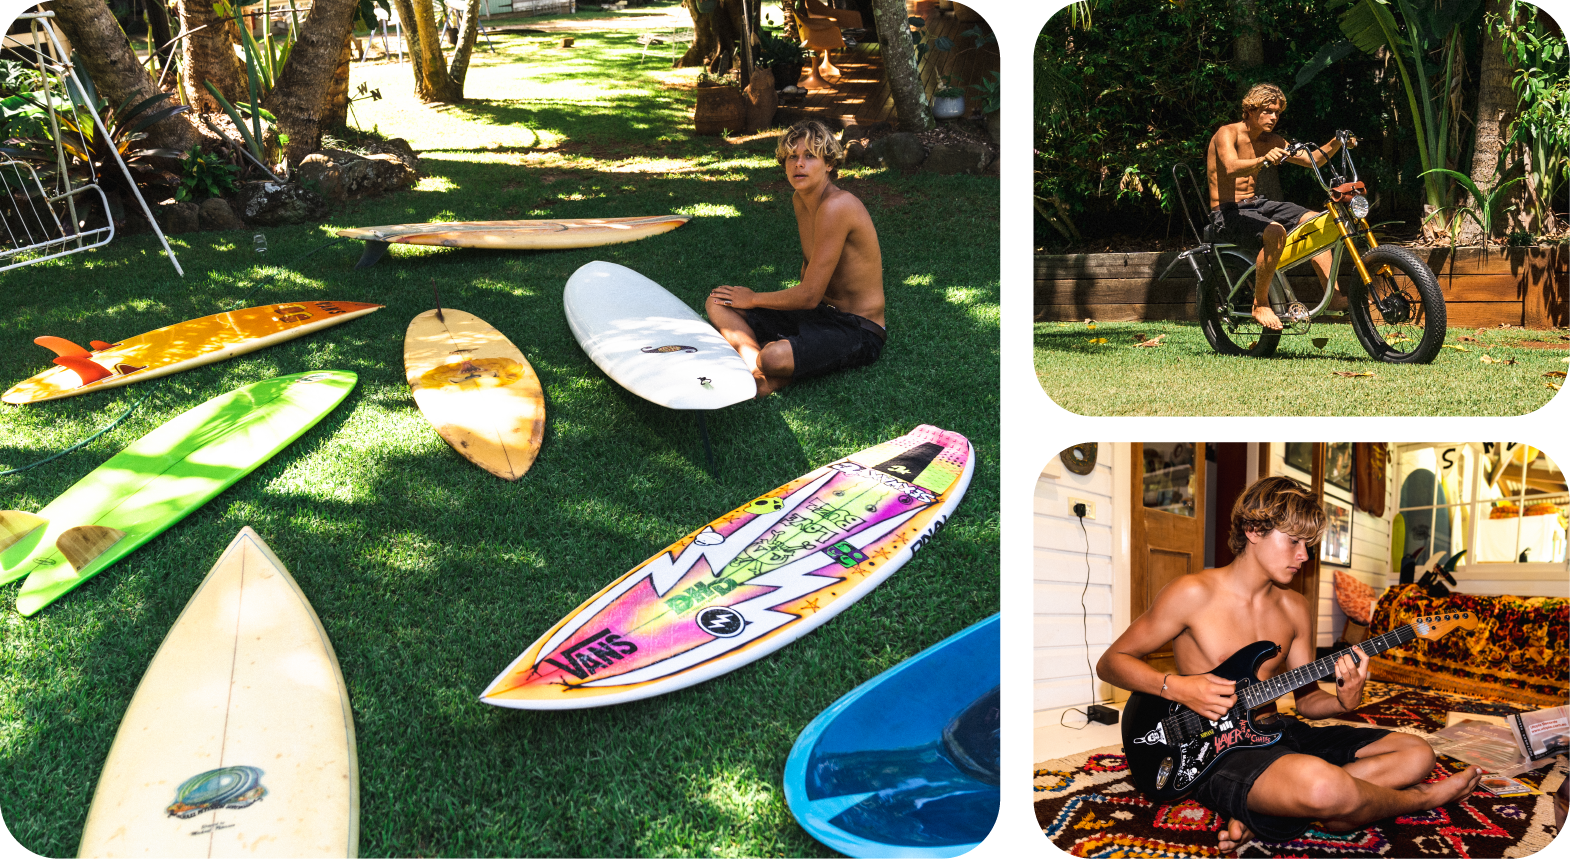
(1320, 233)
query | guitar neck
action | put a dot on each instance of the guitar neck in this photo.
(1269, 690)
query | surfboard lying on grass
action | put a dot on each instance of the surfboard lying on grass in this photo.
(476, 389)
(748, 583)
(239, 740)
(176, 348)
(907, 763)
(650, 342)
(558, 234)
(156, 481)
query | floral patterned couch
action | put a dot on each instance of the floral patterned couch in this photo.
(1520, 650)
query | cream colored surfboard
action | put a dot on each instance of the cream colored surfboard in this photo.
(239, 740)
(477, 389)
(557, 234)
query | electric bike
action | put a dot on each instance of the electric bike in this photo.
(1398, 312)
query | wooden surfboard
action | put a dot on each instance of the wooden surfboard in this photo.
(557, 234)
(477, 389)
(239, 740)
(907, 764)
(748, 583)
(176, 348)
(158, 480)
(650, 342)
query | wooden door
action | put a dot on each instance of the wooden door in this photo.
(1167, 535)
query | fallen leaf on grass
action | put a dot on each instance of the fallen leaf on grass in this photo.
(1349, 374)
(1139, 337)
(1097, 340)
(1091, 324)
(1554, 385)
(1555, 374)
(1466, 339)
(1489, 359)
(1399, 339)
(1319, 342)
(1154, 341)
(1452, 346)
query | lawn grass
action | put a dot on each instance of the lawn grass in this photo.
(1184, 376)
(430, 575)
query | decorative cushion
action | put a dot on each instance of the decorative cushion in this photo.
(1520, 650)
(1354, 597)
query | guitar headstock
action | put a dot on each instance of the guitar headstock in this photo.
(1436, 626)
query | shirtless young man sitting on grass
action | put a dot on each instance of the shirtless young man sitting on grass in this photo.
(1342, 776)
(1237, 153)
(833, 319)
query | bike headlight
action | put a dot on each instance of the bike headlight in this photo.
(1359, 206)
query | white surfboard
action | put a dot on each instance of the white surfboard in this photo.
(650, 342)
(239, 740)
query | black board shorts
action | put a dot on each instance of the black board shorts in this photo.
(1226, 789)
(1243, 223)
(822, 339)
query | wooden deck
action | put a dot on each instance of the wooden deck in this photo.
(861, 96)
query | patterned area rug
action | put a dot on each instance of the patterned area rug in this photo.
(1422, 709)
(1088, 805)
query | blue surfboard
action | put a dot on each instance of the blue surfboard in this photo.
(907, 763)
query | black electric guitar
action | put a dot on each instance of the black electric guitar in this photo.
(1170, 748)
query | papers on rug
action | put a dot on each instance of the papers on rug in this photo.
(1541, 733)
(1489, 746)
(1499, 785)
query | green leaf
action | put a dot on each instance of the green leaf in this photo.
(1328, 55)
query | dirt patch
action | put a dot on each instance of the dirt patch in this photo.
(1562, 343)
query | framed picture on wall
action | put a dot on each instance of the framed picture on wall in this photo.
(1337, 545)
(1338, 465)
(1300, 455)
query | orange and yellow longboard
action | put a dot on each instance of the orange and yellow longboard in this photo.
(176, 348)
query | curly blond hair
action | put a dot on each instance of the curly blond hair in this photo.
(820, 142)
(1276, 504)
(1263, 95)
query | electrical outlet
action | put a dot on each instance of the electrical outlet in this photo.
(1090, 507)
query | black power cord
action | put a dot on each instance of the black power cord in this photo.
(1095, 712)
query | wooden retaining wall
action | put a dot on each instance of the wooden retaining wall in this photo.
(1518, 286)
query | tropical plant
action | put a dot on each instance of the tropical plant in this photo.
(1541, 85)
(775, 48)
(1423, 29)
(1482, 210)
(991, 93)
(205, 174)
(950, 88)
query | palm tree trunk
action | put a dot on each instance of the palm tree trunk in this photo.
(335, 112)
(465, 48)
(107, 58)
(1495, 109)
(899, 63)
(299, 98)
(207, 54)
(432, 83)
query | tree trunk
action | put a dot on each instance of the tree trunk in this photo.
(1248, 48)
(335, 112)
(899, 63)
(158, 31)
(716, 36)
(406, 26)
(106, 57)
(459, 70)
(299, 99)
(207, 54)
(1495, 109)
(433, 80)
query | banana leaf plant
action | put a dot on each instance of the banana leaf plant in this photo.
(1422, 29)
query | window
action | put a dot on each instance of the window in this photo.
(1497, 503)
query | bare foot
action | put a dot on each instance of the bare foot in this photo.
(1266, 317)
(766, 385)
(1450, 789)
(1235, 835)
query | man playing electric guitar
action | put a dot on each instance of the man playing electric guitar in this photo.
(1342, 776)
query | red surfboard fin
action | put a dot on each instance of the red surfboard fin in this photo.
(99, 345)
(14, 525)
(83, 544)
(61, 346)
(85, 369)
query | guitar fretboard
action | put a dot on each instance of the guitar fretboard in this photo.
(1275, 687)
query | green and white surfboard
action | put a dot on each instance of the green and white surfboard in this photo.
(143, 490)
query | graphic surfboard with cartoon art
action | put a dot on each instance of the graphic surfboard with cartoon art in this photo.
(748, 583)
(239, 740)
(476, 389)
(177, 348)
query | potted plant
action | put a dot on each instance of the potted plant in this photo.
(949, 101)
(721, 105)
(783, 57)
